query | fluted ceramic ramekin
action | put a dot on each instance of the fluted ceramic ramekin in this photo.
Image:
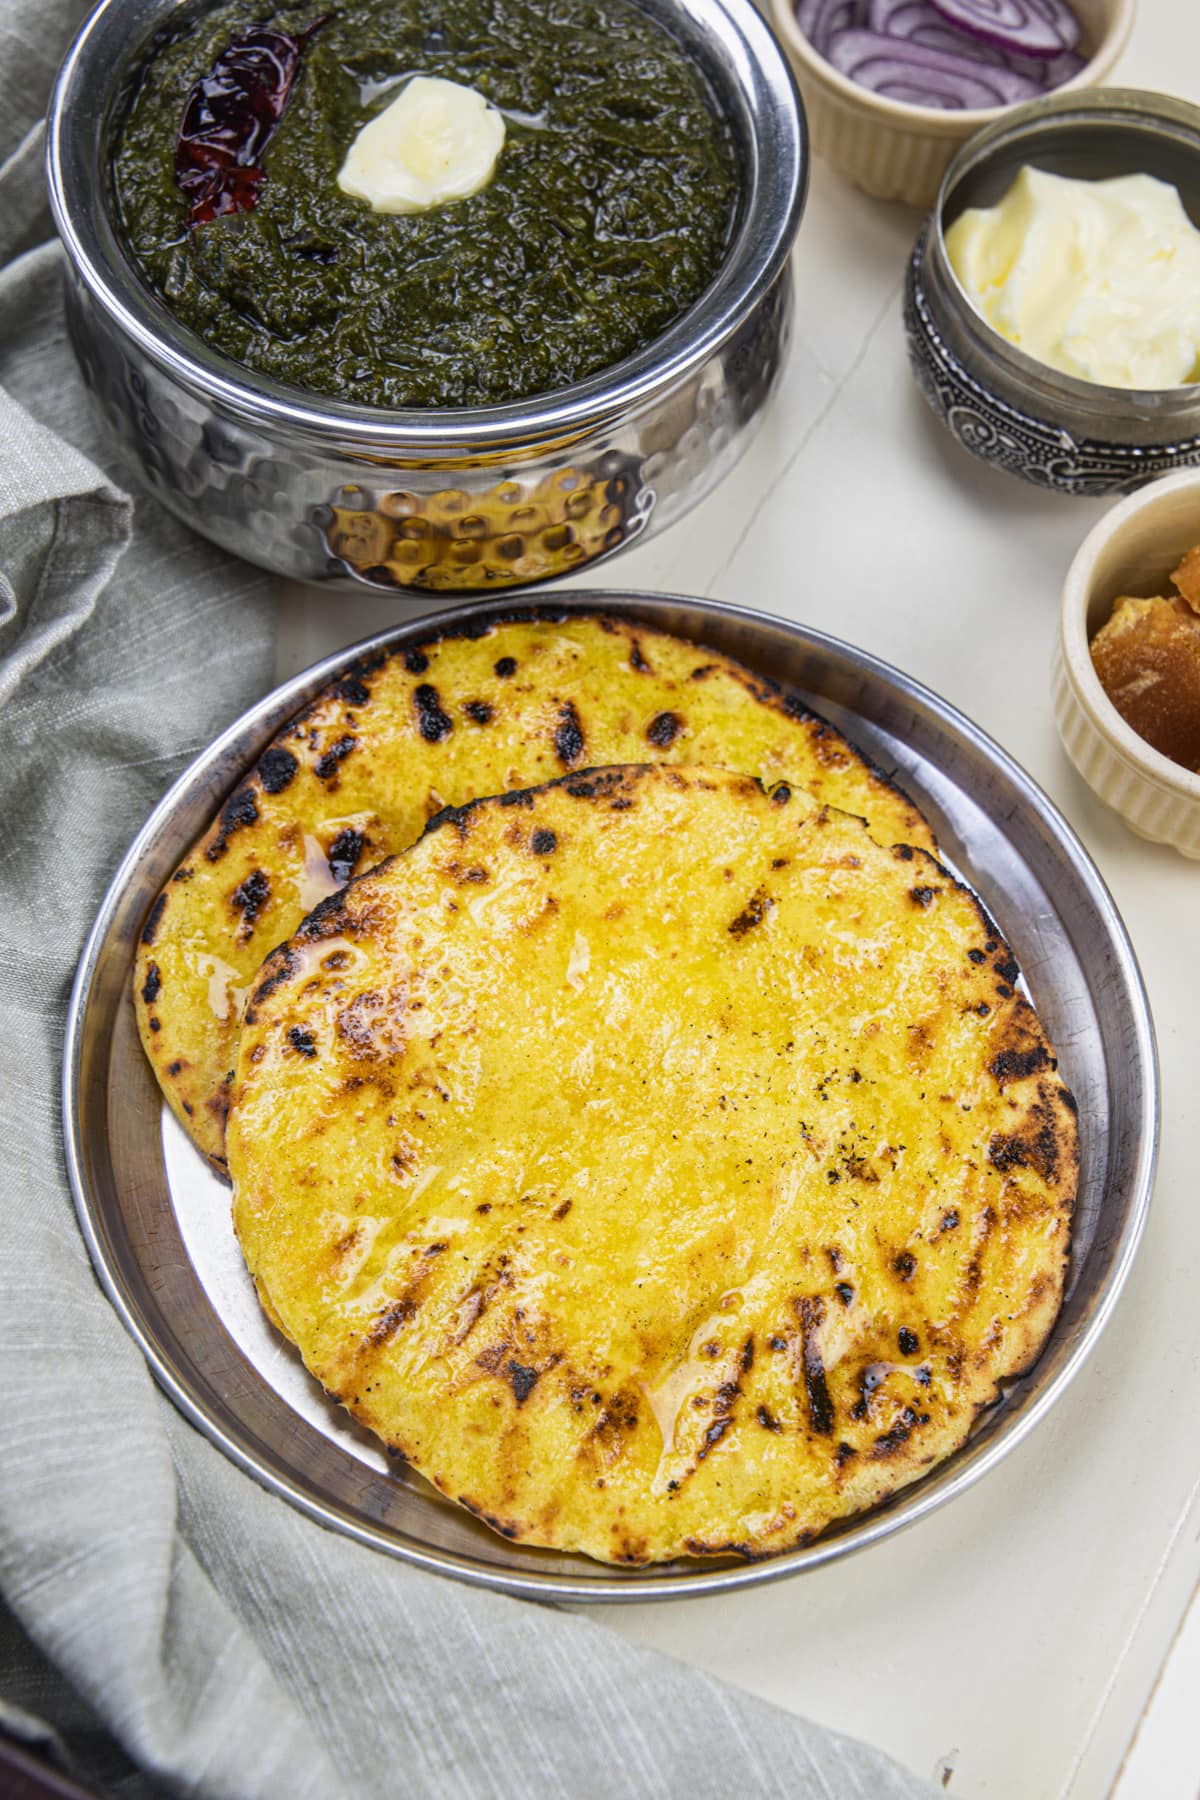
(464, 501)
(1131, 551)
(1055, 430)
(896, 151)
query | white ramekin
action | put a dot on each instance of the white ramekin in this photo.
(899, 152)
(1131, 551)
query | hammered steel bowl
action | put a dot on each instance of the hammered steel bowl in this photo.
(434, 501)
(1076, 437)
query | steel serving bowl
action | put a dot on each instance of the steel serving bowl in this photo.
(463, 501)
(1077, 437)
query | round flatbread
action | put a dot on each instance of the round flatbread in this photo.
(396, 737)
(661, 1166)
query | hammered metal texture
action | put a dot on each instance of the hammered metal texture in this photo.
(458, 527)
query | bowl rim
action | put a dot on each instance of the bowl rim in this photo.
(937, 121)
(760, 87)
(1008, 124)
(1076, 644)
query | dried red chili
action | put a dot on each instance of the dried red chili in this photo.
(229, 118)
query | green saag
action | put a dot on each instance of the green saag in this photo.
(608, 214)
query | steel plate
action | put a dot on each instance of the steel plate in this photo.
(158, 1226)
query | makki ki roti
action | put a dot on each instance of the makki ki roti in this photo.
(393, 739)
(659, 1165)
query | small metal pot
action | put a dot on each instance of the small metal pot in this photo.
(464, 501)
(1077, 437)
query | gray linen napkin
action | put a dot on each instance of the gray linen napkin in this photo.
(165, 1626)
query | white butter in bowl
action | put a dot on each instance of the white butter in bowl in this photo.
(438, 141)
(1098, 279)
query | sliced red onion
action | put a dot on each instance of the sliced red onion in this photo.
(979, 67)
(1029, 27)
(956, 43)
(1052, 71)
(1062, 17)
(819, 19)
(921, 23)
(900, 70)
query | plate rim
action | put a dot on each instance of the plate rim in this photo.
(910, 1503)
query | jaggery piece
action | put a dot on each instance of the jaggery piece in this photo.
(1148, 659)
(1187, 578)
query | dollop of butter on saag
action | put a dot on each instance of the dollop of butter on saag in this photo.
(438, 141)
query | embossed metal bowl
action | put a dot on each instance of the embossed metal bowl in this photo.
(464, 501)
(1077, 437)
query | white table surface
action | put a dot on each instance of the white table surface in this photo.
(1014, 1637)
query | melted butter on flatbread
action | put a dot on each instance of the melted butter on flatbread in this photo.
(726, 1241)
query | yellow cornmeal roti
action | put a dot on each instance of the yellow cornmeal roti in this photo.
(396, 737)
(661, 1166)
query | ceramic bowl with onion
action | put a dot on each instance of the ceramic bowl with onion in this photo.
(457, 500)
(1055, 430)
(901, 86)
(1132, 551)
